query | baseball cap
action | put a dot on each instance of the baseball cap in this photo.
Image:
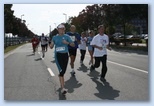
(60, 26)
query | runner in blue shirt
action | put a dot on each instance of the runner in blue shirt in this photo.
(61, 42)
(73, 50)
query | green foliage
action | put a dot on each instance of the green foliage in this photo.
(110, 30)
(13, 24)
(110, 15)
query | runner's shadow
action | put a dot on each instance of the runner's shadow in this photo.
(105, 91)
(61, 96)
(53, 61)
(31, 54)
(94, 74)
(83, 68)
(71, 84)
(38, 59)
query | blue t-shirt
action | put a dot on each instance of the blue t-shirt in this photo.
(60, 47)
(74, 36)
(89, 39)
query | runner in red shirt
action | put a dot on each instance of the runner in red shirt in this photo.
(35, 42)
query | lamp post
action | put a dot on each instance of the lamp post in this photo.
(27, 25)
(55, 25)
(65, 17)
(21, 17)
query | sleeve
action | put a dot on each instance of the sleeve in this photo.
(93, 42)
(88, 42)
(69, 39)
(107, 40)
(53, 40)
(78, 37)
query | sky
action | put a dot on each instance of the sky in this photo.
(39, 17)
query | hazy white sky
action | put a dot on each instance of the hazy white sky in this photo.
(40, 16)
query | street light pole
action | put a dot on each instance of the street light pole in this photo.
(21, 17)
(27, 25)
(65, 17)
(55, 25)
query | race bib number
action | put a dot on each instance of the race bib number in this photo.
(58, 49)
(34, 42)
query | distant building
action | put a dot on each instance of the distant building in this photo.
(141, 23)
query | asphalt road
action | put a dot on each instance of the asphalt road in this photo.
(28, 77)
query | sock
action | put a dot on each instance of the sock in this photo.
(72, 69)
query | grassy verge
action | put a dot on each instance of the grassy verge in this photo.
(133, 48)
(9, 48)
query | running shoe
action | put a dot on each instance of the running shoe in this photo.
(73, 73)
(92, 68)
(63, 91)
(102, 79)
(81, 63)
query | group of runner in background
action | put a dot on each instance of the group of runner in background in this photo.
(66, 45)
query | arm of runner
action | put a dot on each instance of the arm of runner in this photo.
(70, 42)
(93, 43)
(109, 48)
(78, 38)
(51, 44)
(95, 46)
(65, 42)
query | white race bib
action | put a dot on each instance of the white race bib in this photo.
(60, 49)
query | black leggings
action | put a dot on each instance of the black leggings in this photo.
(83, 52)
(102, 59)
(62, 61)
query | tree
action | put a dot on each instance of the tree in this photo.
(8, 16)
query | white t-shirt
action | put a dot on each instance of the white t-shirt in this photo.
(43, 40)
(100, 41)
(82, 46)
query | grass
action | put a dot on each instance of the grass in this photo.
(10, 48)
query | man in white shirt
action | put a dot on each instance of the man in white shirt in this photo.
(43, 44)
(100, 43)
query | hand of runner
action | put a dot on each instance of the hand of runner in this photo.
(65, 42)
(100, 48)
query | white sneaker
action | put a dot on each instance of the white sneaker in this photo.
(73, 73)
(63, 91)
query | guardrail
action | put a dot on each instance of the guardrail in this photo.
(10, 41)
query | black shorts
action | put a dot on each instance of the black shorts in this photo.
(46, 44)
(62, 61)
(42, 45)
(72, 52)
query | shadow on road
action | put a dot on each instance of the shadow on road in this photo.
(105, 91)
(53, 61)
(83, 68)
(38, 59)
(31, 54)
(61, 96)
(71, 84)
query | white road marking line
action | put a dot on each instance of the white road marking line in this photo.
(38, 52)
(128, 67)
(51, 72)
